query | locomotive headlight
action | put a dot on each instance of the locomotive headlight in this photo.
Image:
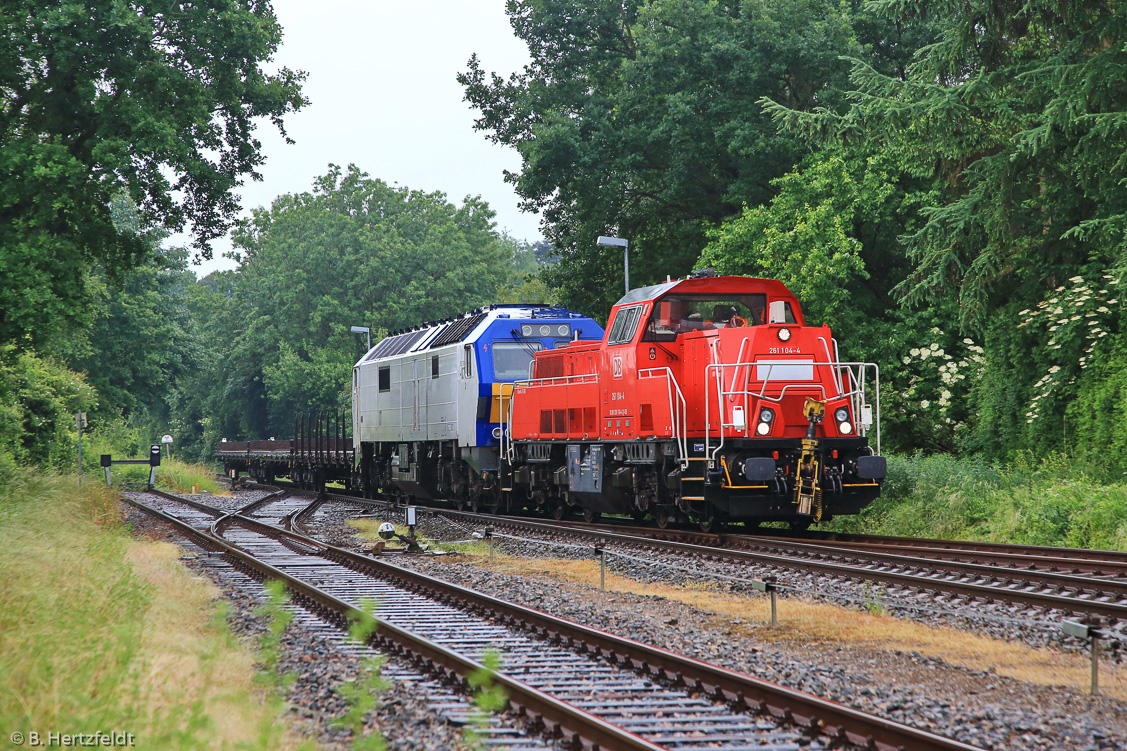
(845, 428)
(564, 331)
(526, 330)
(841, 414)
(765, 418)
(545, 330)
(784, 335)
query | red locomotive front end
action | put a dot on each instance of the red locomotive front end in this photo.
(708, 398)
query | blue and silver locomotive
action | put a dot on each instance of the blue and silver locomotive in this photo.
(429, 404)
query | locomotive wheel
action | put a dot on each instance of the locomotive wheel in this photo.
(800, 525)
(708, 523)
(558, 511)
(663, 517)
(590, 516)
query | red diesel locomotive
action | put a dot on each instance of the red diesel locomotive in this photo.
(709, 398)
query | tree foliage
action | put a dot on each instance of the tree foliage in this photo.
(1016, 113)
(141, 340)
(352, 251)
(156, 101)
(639, 119)
(38, 399)
(829, 234)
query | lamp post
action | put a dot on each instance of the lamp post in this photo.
(364, 330)
(618, 242)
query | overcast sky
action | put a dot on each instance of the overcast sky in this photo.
(383, 96)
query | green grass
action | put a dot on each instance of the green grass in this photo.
(172, 475)
(99, 631)
(1054, 501)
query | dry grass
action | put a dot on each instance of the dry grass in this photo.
(100, 632)
(811, 624)
(187, 651)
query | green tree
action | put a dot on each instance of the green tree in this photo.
(829, 234)
(157, 101)
(141, 341)
(38, 399)
(638, 119)
(1016, 114)
(354, 250)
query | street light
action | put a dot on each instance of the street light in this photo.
(618, 242)
(364, 330)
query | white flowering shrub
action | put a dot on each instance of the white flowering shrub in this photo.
(930, 391)
(1072, 325)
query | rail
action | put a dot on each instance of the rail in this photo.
(793, 707)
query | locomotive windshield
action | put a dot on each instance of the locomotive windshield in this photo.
(679, 314)
(511, 359)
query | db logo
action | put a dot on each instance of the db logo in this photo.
(616, 366)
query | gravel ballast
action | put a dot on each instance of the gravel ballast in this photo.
(976, 707)
(415, 712)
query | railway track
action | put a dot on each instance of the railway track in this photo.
(592, 688)
(1094, 595)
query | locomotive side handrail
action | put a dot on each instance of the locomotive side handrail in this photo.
(507, 449)
(550, 380)
(678, 410)
(856, 394)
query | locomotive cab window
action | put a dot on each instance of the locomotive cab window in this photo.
(781, 312)
(511, 359)
(681, 314)
(625, 324)
(385, 378)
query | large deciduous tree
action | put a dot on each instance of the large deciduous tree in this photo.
(157, 100)
(354, 250)
(1018, 112)
(1017, 116)
(639, 119)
